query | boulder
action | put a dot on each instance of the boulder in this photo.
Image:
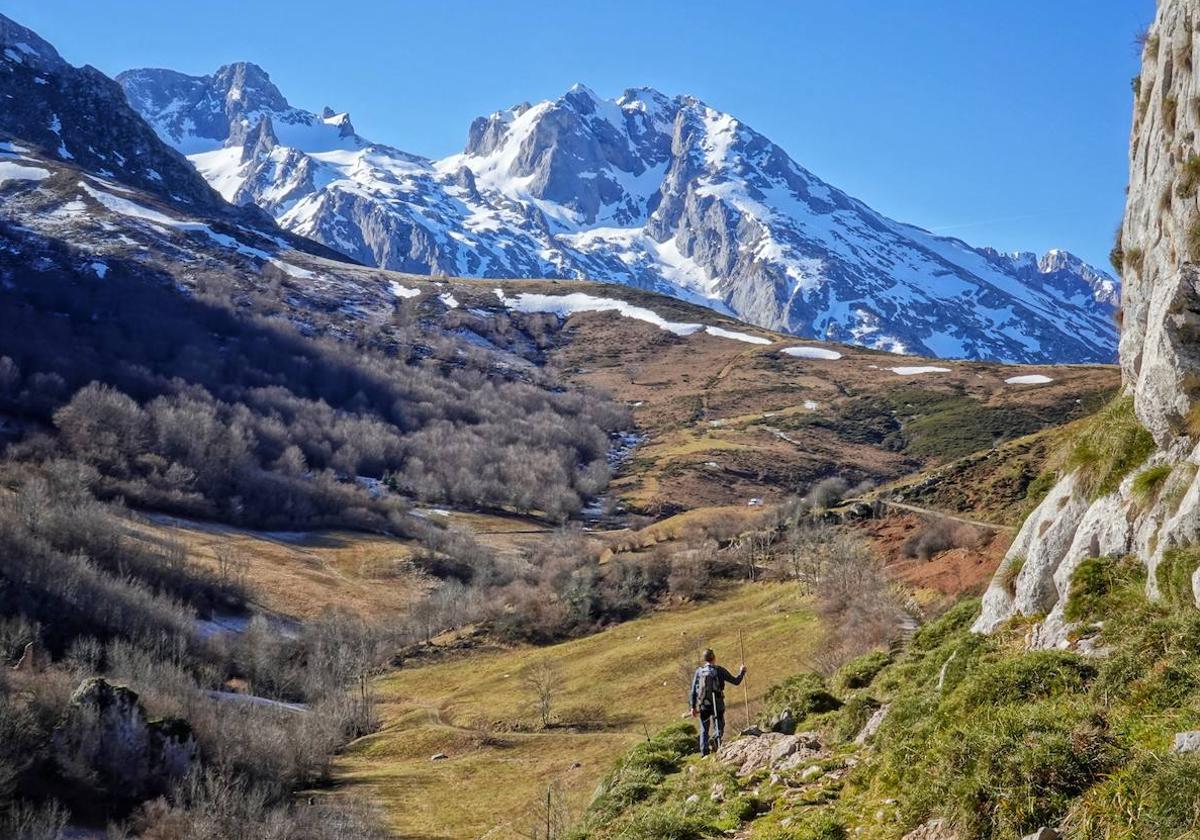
(33, 658)
(811, 773)
(783, 723)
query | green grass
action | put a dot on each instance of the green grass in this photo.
(629, 679)
(862, 670)
(1101, 584)
(1150, 482)
(1109, 446)
(1010, 572)
(1174, 576)
(999, 740)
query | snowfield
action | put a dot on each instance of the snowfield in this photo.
(567, 305)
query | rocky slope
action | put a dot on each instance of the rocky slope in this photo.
(663, 193)
(1144, 505)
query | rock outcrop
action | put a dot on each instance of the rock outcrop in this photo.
(107, 739)
(771, 750)
(1158, 249)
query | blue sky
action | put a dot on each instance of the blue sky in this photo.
(1002, 122)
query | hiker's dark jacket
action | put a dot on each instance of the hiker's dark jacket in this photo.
(723, 676)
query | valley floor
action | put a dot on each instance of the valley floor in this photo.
(616, 687)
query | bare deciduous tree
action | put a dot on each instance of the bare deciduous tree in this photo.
(542, 682)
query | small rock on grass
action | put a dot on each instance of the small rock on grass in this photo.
(1186, 742)
(438, 757)
(1042, 833)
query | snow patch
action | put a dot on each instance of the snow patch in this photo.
(914, 370)
(737, 336)
(1029, 379)
(403, 291)
(10, 171)
(293, 270)
(812, 353)
(449, 300)
(566, 305)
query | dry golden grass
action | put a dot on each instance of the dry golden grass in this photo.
(303, 574)
(632, 674)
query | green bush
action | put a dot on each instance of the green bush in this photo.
(862, 670)
(999, 773)
(1174, 576)
(804, 694)
(1154, 796)
(1110, 446)
(1036, 675)
(1101, 584)
(1149, 482)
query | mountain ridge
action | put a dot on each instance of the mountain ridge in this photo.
(663, 193)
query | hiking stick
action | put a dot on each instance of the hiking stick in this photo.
(745, 690)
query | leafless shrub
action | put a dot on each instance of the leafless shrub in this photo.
(548, 818)
(26, 821)
(827, 492)
(856, 600)
(692, 572)
(938, 535)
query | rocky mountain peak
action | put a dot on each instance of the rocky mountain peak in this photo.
(260, 141)
(664, 193)
(248, 88)
(52, 106)
(24, 46)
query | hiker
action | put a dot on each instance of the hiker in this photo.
(708, 699)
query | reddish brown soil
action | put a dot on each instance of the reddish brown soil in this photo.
(955, 572)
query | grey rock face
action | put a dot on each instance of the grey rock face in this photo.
(1159, 354)
(662, 193)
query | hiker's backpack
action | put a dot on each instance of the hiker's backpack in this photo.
(709, 687)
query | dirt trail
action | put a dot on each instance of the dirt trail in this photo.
(938, 513)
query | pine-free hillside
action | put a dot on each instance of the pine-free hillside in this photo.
(657, 192)
(961, 735)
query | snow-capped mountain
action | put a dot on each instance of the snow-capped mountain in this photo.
(663, 193)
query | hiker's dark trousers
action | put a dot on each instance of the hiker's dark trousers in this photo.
(712, 727)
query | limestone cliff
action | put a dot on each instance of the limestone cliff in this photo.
(1155, 507)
